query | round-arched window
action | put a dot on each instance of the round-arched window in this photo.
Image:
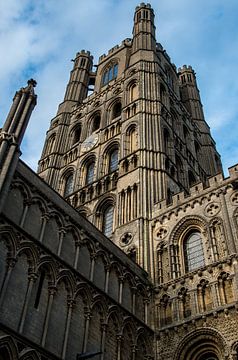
(193, 251)
(69, 185)
(107, 225)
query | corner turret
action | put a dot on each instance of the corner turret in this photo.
(144, 28)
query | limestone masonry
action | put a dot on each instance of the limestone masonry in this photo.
(124, 246)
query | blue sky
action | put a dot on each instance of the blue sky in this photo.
(39, 38)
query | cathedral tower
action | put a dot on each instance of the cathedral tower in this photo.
(139, 138)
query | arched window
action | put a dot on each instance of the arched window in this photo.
(50, 144)
(133, 92)
(113, 160)
(76, 134)
(69, 184)
(110, 73)
(107, 224)
(162, 93)
(96, 122)
(193, 251)
(116, 110)
(89, 173)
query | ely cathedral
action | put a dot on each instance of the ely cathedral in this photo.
(124, 246)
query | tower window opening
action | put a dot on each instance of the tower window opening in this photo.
(113, 160)
(110, 74)
(76, 135)
(69, 185)
(107, 225)
(116, 110)
(193, 251)
(90, 173)
(96, 123)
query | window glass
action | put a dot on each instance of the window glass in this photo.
(68, 189)
(193, 252)
(113, 162)
(115, 71)
(108, 221)
(90, 173)
(110, 73)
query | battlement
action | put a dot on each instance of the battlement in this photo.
(125, 43)
(198, 189)
(185, 68)
(143, 6)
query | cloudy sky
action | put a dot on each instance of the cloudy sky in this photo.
(39, 38)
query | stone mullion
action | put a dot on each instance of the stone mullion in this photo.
(45, 218)
(31, 280)
(77, 246)
(93, 258)
(119, 341)
(104, 329)
(121, 281)
(213, 244)
(173, 264)
(107, 279)
(27, 204)
(52, 291)
(86, 329)
(67, 327)
(62, 232)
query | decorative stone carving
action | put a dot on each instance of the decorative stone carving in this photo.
(212, 209)
(161, 233)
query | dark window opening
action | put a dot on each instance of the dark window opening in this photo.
(76, 135)
(39, 290)
(96, 123)
(116, 110)
(113, 160)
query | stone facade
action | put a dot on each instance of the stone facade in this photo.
(153, 275)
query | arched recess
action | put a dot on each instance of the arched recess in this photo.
(85, 257)
(16, 289)
(80, 304)
(127, 292)
(68, 246)
(218, 239)
(53, 233)
(144, 346)
(34, 216)
(128, 337)
(100, 265)
(133, 91)
(202, 344)
(111, 340)
(131, 143)
(37, 306)
(58, 317)
(29, 354)
(8, 348)
(95, 327)
(179, 235)
(113, 282)
(17, 198)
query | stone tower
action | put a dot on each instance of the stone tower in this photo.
(136, 140)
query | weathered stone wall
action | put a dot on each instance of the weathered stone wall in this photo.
(66, 287)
